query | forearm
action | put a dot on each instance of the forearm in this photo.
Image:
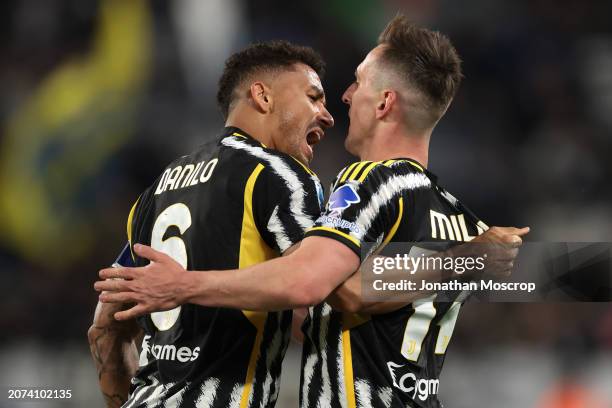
(113, 348)
(301, 279)
(348, 297)
(296, 324)
(275, 285)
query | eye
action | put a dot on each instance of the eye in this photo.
(313, 98)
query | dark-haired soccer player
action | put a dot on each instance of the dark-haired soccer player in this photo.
(401, 90)
(240, 199)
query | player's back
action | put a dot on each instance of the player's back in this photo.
(229, 204)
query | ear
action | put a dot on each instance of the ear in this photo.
(385, 104)
(261, 95)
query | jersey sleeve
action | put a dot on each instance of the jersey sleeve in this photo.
(287, 200)
(363, 206)
(125, 257)
(139, 226)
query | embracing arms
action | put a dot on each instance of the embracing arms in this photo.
(113, 348)
(305, 277)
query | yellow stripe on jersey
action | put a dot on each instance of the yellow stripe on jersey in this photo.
(348, 171)
(352, 320)
(130, 219)
(342, 234)
(239, 135)
(357, 169)
(312, 173)
(248, 384)
(129, 226)
(415, 165)
(388, 163)
(253, 250)
(367, 170)
(395, 226)
(349, 383)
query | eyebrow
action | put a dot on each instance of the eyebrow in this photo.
(320, 94)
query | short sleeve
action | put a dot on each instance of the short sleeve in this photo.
(125, 257)
(287, 200)
(362, 207)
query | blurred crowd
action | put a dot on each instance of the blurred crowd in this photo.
(98, 95)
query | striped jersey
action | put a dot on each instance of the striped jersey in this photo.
(390, 360)
(229, 204)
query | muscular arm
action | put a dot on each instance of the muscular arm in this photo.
(303, 278)
(113, 348)
(499, 243)
(348, 296)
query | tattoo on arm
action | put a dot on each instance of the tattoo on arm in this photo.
(114, 354)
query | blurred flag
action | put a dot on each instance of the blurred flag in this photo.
(60, 138)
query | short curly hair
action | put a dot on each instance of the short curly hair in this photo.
(265, 56)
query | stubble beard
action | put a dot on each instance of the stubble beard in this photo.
(289, 129)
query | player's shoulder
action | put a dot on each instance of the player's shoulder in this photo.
(378, 171)
(274, 163)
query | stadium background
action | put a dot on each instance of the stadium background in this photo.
(97, 96)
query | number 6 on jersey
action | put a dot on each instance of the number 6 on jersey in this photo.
(175, 215)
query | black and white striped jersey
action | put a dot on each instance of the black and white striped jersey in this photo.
(231, 203)
(391, 360)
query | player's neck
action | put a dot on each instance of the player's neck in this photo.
(251, 124)
(392, 145)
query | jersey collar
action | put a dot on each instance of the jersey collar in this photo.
(235, 131)
(421, 168)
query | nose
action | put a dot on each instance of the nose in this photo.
(325, 118)
(348, 94)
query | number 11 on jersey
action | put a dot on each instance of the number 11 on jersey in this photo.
(418, 326)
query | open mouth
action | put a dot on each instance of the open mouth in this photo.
(314, 136)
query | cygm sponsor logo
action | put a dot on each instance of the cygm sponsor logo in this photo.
(168, 352)
(335, 222)
(409, 383)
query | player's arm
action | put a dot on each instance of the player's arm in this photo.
(500, 244)
(113, 348)
(303, 278)
(113, 344)
(299, 315)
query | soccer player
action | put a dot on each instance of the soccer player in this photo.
(240, 199)
(401, 90)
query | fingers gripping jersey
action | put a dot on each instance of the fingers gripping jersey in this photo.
(231, 203)
(390, 360)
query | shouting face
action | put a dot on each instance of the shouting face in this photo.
(301, 116)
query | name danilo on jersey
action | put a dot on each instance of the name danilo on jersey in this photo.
(186, 176)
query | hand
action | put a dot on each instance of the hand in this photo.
(104, 320)
(156, 287)
(501, 246)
